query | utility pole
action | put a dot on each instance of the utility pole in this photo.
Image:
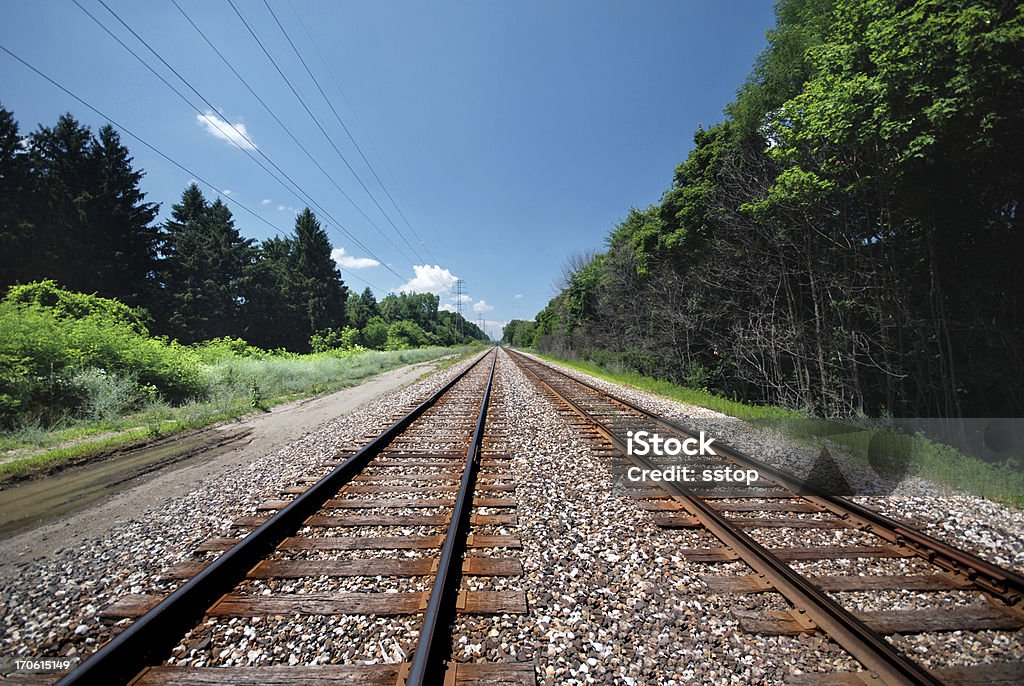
(480, 323)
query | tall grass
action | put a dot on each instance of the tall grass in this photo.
(230, 386)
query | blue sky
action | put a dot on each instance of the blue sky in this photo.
(510, 134)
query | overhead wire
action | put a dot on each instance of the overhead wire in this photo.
(311, 116)
(149, 145)
(373, 146)
(270, 111)
(298, 190)
(330, 105)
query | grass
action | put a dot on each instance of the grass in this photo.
(236, 386)
(930, 460)
(690, 396)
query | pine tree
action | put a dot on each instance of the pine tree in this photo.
(316, 275)
(206, 273)
(63, 169)
(92, 224)
(121, 219)
(360, 307)
(15, 225)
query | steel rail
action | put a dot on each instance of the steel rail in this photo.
(1004, 584)
(866, 645)
(431, 648)
(150, 639)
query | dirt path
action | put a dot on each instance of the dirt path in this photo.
(87, 501)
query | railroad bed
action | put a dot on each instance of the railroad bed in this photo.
(429, 474)
(789, 503)
(547, 576)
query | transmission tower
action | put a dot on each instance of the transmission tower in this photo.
(459, 283)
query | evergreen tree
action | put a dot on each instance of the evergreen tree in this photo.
(360, 307)
(126, 241)
(206, 270)
(315, 275)
(92, 224)
(15, 226)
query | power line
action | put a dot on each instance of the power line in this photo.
(297, 188)
(152, 147)
(315, 121)
(330, 72)
(343, 126)
(269, 111)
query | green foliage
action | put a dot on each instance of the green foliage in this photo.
(212, 351)
(405, 334)
(519, 333)
(204, 270)
(72, 209)
(848, 240)
(56, 366)
(65, 304)
(333, 339)
(375, 334)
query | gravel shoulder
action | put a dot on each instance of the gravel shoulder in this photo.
(262, 435)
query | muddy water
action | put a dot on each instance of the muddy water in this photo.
(28, 503)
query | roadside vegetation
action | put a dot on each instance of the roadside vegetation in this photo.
(931, 460)
(82, 374)
(117, 328)
(847, 240)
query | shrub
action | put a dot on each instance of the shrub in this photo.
(66, 304)
(44, 355)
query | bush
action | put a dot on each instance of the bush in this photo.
(218, 349)
(46, 360)
(65, 304)
(334, 339)
(375, 333)
(405, 334)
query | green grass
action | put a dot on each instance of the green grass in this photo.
(229, 382)
(690, 396)
(930, 460)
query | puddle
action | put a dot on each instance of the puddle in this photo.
(28, 503)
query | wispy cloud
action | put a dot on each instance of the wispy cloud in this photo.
(350, 262)
(265, 201)
(482, 306)
(218, 127)
(429, 279)
(519, 296)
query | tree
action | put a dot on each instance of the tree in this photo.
(316, 276)
(361, 307)
(92, 225)
(375, 333)
(16, 199)
(206, 270)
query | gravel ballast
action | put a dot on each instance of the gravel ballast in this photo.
(610, 600)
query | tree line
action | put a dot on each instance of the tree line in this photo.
(71, 210)
(848, 240)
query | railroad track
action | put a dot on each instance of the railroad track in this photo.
(789, 503)
(429, 473)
